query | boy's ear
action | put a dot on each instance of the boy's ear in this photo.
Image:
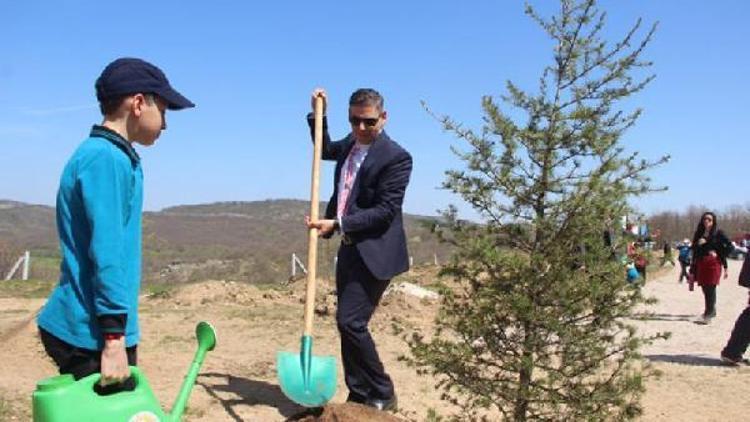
(137, 103)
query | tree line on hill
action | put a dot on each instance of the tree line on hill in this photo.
(677, 225)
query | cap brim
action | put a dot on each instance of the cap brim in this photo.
(175, 100)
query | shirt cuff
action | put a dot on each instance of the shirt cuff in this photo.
(114, 323)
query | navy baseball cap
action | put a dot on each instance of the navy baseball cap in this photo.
(130, 76)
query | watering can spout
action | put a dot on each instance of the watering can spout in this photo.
(206, 336)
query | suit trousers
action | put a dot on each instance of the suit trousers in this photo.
(359, 293)
(740, 338)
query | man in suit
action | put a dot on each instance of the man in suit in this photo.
(372, 172)
(733, 352)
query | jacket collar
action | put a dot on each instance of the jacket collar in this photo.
(98, 131)
(375, 147)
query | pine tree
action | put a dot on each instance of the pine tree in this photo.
(535, 323)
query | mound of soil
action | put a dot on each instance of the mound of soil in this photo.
(222, 291)
(346, 412)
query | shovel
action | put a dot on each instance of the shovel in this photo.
(306, 379)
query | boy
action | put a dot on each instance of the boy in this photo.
(684, 259)
(90, 321)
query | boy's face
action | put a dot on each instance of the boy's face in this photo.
(150, 119)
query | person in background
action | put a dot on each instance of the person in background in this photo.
(685, 253)
(631, 273)
(640, 261)
(710, 249)
(667, 254)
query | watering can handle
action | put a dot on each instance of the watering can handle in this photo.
(90, 381)
(312, 244)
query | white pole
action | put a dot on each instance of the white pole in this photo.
(26, 264)
(299, 263)
(13, 270)
(435, 258)
(411, 261)
(294, 266)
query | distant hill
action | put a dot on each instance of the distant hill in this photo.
(28, 226)
(244, 241)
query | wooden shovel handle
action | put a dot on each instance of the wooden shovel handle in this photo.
(312, 243)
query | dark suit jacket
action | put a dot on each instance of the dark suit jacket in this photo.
(373, 219)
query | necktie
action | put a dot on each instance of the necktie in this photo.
(348, 181)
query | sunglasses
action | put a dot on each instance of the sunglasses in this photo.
(369, 122)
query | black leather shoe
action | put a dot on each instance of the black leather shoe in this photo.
(355, 398)
(384, 405)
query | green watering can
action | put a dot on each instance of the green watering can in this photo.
(61, 398)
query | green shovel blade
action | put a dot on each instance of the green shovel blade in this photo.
(306, 379)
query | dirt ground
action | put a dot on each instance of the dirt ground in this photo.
(238, 380)
(695, 386)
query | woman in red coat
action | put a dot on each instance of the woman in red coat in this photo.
(710, 249)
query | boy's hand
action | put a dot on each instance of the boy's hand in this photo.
(114, 362)
(319, 92)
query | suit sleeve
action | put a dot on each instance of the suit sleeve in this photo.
(331, 150)
(390, 192)
(102, 187)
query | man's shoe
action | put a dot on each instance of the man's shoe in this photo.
(705, 319)
(728, 360)
(355, 398)
(384, 405)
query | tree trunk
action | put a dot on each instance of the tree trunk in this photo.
(524, 378)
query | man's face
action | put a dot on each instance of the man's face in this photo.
(367, 121)
(151, 118)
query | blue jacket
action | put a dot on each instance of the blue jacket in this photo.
(99, 205)
(685, 253)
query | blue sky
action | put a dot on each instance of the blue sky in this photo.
(250, 68)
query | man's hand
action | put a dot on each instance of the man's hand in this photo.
(726, 273)
(324, 227)
(319, 92)
(114, 362)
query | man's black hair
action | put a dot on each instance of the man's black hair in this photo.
(367, 96)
